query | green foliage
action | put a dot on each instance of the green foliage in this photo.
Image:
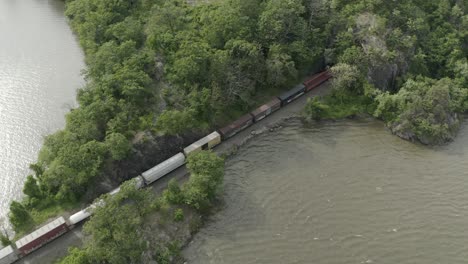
(118, 145)
(173, 194)
(314, 109)
(174, 122)
(169, 253)
(113, 229)
(5, 240)
(220, 56)
(424, 109)
(4, 237)
(208, 63)
(206, 177)
(19, 216)
(335, 107)
(31, 188)
(347, 80)
(77, 256)
(178, 215)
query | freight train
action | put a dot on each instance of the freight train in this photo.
(61, 225)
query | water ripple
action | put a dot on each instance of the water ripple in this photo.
(343, 192)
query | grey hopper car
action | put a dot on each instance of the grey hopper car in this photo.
(163, 168)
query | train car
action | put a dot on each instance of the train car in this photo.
(236, 126)
(8, 255)
(88, 211)
(41, 236)
(139, 182)
(207, 142)
(80, 216)
(266, 109)
(115, 191)
(292, 94)
(163, 168)
(317, 80)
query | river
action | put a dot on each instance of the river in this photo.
(342, 192)
(40, 64)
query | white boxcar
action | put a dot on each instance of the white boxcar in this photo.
(115, 191)
(85, 213)
(7, 255)
(80, 216)
(205, 143)
(163, 168)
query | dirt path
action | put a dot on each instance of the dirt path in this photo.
(59, 247)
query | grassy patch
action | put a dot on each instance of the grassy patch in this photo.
(41, 215)
(333, 107)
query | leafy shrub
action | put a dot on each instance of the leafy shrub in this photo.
(178, 215)
(314, 109)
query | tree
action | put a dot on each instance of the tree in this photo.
(282, 21)
(31, 188)
(118, 146)
(347, 80)
(280, 67)
(113, 230)
(77, 256)
(314, 109)
(178, 215)
(4, 236)
(19, 216)
(424, 109)
(206, 177)
(173, 193)
(175, 122)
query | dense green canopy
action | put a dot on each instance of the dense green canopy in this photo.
(167, 67)
(122, 230)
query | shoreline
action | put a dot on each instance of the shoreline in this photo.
(59, 247)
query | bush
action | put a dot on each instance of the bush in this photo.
(178, 215)
(207, 174)
(314, 109)
(173, 194)
(118, 145)
(424, 109)
(5, 240)
(20, 217)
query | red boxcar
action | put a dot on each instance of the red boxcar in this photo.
(266, 109)
(41, 236)
(236, 126)
(316, 80)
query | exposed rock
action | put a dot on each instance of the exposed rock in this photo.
(383, 66)
(148, 150)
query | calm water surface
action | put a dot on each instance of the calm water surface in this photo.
(40, 63)
(345, 192)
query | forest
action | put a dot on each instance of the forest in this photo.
(162, 72)
(403, 62)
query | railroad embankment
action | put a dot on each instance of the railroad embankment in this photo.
(182, 231)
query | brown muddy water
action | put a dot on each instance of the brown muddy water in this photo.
(343, 192)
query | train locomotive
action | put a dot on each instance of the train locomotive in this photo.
(61, 225)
